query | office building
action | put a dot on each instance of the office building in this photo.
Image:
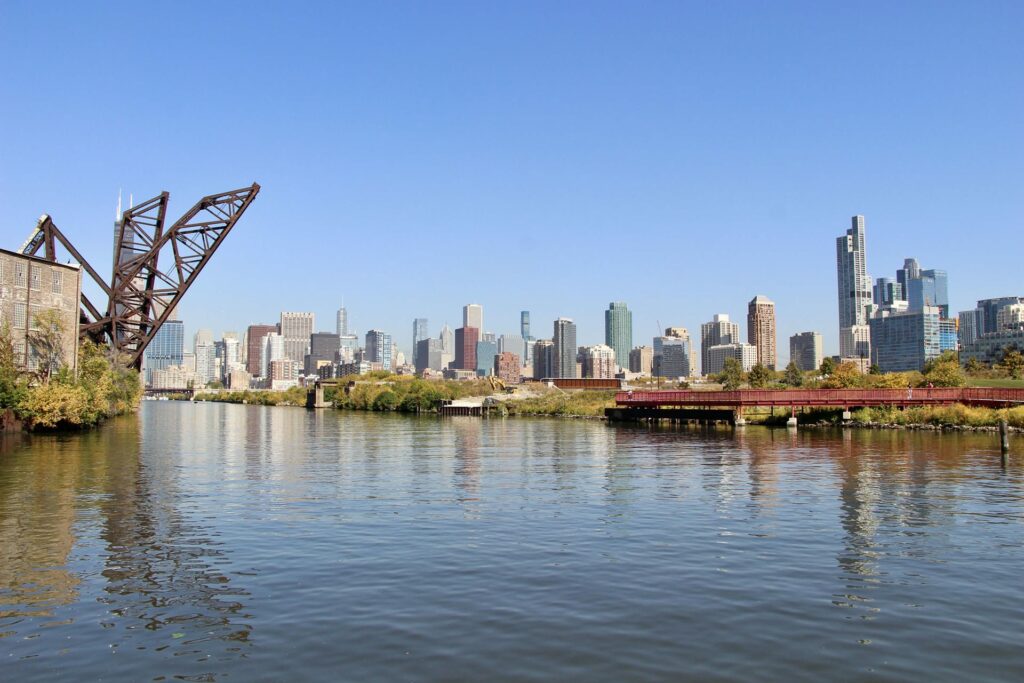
(716, 333)
(598, 361)
(296, 328)
(166, 349)
(512, 343)
(419, 333)
(887, 291)
(928, 289)
(323, 350)
(989, 347)
(486, 351)
(806, 350)
(902, 342)
(746, 354)
(761, 330)
(254, 340)
(341, 322)
(466, 339)
(202, 347)
(430, 355)
(378, 348)
(524, 325)
(618, 330)
(672, 355)
(564, 352)
(967, 327)
(641, 360)
(911, 270)
(273, 349)
(543, 359)
(854, 290)
(447, 338)
(473, 316)
(988, 312)
(348, 345)
(1010, 317)
(508, 367)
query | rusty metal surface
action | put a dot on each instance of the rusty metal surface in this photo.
(823, 397)
(142, 294)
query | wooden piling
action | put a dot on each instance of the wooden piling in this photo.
(1004, 440)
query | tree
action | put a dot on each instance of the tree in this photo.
(12, 387)
(731, 376)
(944, 371)
(845, 376)
(973, 366)
(47, 342)
(759, 376)
(793, 376)
(1013, 362)
(828, 366)
(874, 369)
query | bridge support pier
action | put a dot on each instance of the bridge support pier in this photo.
(315, 397)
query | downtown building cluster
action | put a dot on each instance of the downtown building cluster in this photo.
(899, 324)
(894, 323)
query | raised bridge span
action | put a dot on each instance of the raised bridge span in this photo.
(729, 405)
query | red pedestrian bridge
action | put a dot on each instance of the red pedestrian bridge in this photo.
(729, 405)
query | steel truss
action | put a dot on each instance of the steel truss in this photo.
(141, 295)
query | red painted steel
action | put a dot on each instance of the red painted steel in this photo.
(845, 398)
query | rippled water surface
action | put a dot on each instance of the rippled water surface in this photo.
(218, 542)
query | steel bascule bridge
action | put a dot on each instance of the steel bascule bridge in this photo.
(154, 266)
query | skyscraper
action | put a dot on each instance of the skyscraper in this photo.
(911, 270)
(203, 349)
(806, 350)
(524, 325)
(341, 322)
(929, 289)
(254, 350)
(599, 361)
(854, 291)
(473, 316)
(761, 329)
(715, 333)
(296, 328)
(166, 349)
(378, 348)
(419, 333)
(671, 355)
(465, 348)
(564, 351)
(618, 331)
(543, 360)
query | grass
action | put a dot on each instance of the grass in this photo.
(571, 403)
(999, 383)
(944, 416)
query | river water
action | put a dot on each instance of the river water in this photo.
(214, 542)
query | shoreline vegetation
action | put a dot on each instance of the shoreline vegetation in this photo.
(384, 392)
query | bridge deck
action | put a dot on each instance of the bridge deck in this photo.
(820, 398)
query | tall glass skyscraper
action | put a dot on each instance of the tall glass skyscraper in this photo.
(929, 289)
(618, 331)
(524, 325)
(419, 333)
(854, 289)
(564, 351)
(166, 349)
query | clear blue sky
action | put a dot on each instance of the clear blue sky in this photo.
(553, 157)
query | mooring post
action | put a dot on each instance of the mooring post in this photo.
(791, 422)
(1004, 440)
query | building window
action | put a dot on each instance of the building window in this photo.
(58, 281)
(19, 274)
(35, 277)
(34, 321)
(20, 313)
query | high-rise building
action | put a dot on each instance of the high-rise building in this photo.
(419, 333)
(564, 353)
(508, 367)
(967, 327)
(911, 270)
(232, 358)
(854, 290)
(378, 348)
(512, 343)
(671, 355)
(761, 330)
(524, 325)
(905, 341)
(341, 322)
(746, 354)
(618, 330)
(988, 312)
(715, 333)
(543, 359)
(430, 355)
(1010, 317)
(323, 350)
(203, 348)
(929, 289)
(166, 348)
(254, 337)
(598, 361)
(641, 359)
(887, 292)
(486, 352)
(806, 350)
(296, 328)
(473, 316)
(273, 350)
(465, 347)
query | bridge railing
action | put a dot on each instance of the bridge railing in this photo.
(822, 397)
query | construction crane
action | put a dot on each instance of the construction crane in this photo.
(141, 293)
